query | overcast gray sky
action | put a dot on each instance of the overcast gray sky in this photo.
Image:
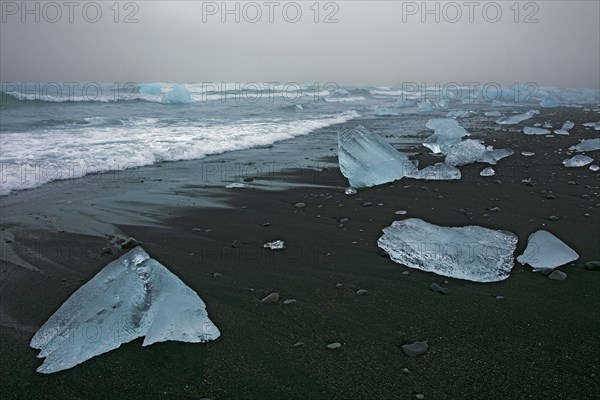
(374, 42)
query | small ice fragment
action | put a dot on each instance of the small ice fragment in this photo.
(493, 114)
(568, 125)
(550, 102)
(489, 257)
(237, 185)
(437, 172)
(577, 161)
(561, 131)
(458, 114)
(368, 160)
(545, 251)
(135, 293)
(595, 125)
(594, 168)
(400, 212)
(493, 156)
(530, 130)
(489, 171)
(528, 153)
(350, 190)
(587, 145)
(515, 119)
(276, 245)
(547, 125)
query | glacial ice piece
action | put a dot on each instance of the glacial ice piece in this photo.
(515, 119)
(594, 168)
(545, 251)
(447, 132)
(437, 172)
(385, 112)
(489, 171)
(577, 161)
(528, 153)
(561, 131)
(177, 95)
(466, 152)
(458, 114)
(368, 160)
(587, 145)
(425, 106)
(150, 88)
(595, 125)
(493, 114)
(472, 253)
(402, 102)
(131, 297)
(550, 102)
(238, 185)
(442, 104)
(530, 130)
(493, 156)
(568, 125)
(275, 245)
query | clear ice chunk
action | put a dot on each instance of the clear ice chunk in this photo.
(131, 297)
(238, 185)
(465, 152)
(368, 160)
(561, 131)
(568, 125)
(489, 171)
(493, 156)
(447, 132)
(515, 119)
(587, 145)
(275, 245)
(530, 130)
(472, 253)
(577, 161)
(545, 251)
(437, 172)
(177, 95)
(595, 125)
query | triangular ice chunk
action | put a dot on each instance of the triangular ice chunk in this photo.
(473, 253)
(587, 145)
(368, 160)
(131, 297)
(546, 251)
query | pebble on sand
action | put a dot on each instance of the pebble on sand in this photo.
(557, 276)
(362, 292)
(298, 344)
(272, 298)
(592, 266)
(437, 288)
(299, 205)
(236, 244)
(367, 204)
(334, 345)
(553, 218)
(289, 301)
(339, 285)
(415, 349)
(419, 396)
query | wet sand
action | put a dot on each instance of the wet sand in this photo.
(540, 342)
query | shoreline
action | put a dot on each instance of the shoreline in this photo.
(540, 341)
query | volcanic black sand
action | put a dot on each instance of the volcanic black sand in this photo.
(541, 341)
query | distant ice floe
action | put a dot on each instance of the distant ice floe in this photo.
(515, 119)
(472, 253)
(550, 102)
(545, 251)
(368, 160)
(529, 130)
(133, 296)
(577, 161)
(586, 145)
(150, 88)
(594, 125)
(493, 114)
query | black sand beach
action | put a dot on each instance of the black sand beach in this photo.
(540, 341)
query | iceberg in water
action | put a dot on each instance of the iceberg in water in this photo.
(530, 130)
(546, 251)
(473, 253)
(177, 95)
(150, 88)
(550, 102)
(425, 106)
(132, 297)
(577, 161)
(368, 160)
(402, 102)
(587, 145)
(437, 172)
(515, 119)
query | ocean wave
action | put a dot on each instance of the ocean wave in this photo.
(29, 160)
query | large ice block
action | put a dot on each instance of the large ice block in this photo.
(447, 132)
(587, 145)
(132, 297)
(577, 161)
(177, 95)
(466, 152)
(546, 251)
(368, 160)
(472, 253)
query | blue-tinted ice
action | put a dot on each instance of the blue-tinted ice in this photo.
(132, 297)
(368, 160)
(515, 119)
(177, 95)
(546, 251)
(586, 145)
(577, 161)
(472, 253)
